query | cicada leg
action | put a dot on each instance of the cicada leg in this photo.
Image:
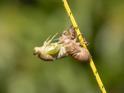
(85, 42)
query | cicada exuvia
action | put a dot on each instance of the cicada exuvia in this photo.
(69, 39)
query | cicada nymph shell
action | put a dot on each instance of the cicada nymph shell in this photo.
(72, 45)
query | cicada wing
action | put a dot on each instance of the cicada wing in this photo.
(62, 52)
(49, 40)
(46, 41)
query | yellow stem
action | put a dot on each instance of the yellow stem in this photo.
(81, 39)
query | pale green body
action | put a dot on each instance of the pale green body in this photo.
(50, 51)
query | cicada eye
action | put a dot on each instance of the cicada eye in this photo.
(36, 50)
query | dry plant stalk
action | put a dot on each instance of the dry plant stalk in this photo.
(81, 39)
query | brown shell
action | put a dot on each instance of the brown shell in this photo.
(73, 47)
(83, 55)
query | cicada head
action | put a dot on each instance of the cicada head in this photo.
(36, 51)
(39, 52)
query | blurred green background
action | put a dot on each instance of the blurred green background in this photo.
(25, 24)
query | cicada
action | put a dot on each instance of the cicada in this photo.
(66, 44)
(50, 51)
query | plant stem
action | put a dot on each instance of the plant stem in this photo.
(81, 39)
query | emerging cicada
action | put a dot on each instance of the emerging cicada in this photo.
(50, 50)
(67, 44)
